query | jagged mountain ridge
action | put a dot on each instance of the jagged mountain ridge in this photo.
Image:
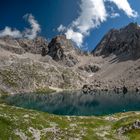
(59, 48)
(23, 45)
(24, 69)
(122, 41)
(62, 50)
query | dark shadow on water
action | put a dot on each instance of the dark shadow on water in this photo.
(77, 103)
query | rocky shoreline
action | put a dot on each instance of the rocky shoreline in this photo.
(87, 89)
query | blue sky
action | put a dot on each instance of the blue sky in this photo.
(50, 14)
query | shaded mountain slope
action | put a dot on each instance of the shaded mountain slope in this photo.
(125, 41)
(121, 51)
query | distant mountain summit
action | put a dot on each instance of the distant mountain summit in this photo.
(124, 41)
(62, 50)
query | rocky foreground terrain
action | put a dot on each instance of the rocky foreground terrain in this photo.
(32, 65)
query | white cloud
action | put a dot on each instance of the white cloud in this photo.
(76, 37)
(35, 27)
(125, 6)
(27, 33)
(61, 28)
(114, 15)
(9, 32)
(92, 14)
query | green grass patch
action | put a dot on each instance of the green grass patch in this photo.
(46, 90)
(61, 127)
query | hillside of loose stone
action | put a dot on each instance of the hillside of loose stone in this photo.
(29, 65)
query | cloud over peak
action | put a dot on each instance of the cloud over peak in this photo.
(61, 28)
(76, 37)
(27, 33)
(35, 27)
(92, 14)
(10, 32)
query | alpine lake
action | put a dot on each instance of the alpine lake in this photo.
(76, 103)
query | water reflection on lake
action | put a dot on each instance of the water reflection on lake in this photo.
(77, 103)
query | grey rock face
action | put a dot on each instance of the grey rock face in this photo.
(10, 44)
(62, 50)
(33, 46)
(23, 45)
(124, 41)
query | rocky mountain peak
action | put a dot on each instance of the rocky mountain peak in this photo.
(122, 41)
(62, 49)
(132, 26)
(60, 43)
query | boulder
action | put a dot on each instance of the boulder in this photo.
(124, 89)
(137, 90)
(90, 68)
(117, 90)
(88, 89)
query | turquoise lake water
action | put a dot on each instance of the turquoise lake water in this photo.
(77, 103)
